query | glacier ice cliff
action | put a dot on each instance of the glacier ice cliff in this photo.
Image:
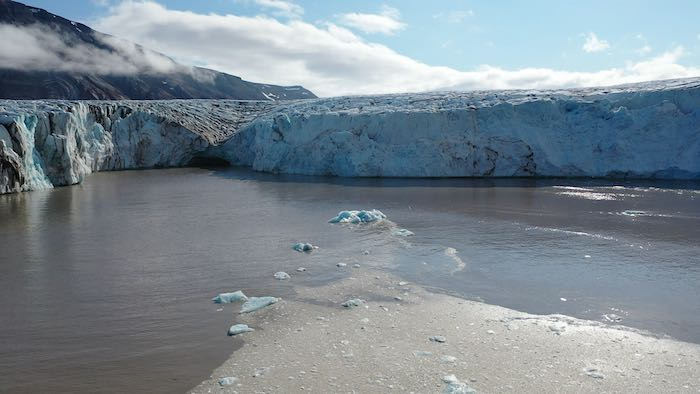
(50, 143)
(646, 130)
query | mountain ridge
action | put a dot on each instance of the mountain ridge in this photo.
(127, 71)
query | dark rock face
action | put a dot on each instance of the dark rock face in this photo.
(180, 83)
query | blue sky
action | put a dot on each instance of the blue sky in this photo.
(449, 36)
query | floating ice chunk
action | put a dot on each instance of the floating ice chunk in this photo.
(353, 303)
(438, 338)
(239, 329)
(448, 359)
(356, 265)
(365, 252)
(455, 386)
(301, 269)
(402, 232)
(374, 215)
(341, 265)
(227, 381)
(281, 275)
(304, 247)
(255, 303)
(227, 298)
(562, 299)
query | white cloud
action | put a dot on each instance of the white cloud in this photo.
(331, 60)
(643, 50)
(457, 16)
(282, 7)
(38, 48)
(101, 3)
(594, 44)
(388, 21)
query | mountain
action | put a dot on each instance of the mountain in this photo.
(46, 56)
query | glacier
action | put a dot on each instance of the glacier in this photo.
(646, 130)
(55, 143)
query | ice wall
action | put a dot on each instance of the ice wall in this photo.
(649, 130)
(51, 143)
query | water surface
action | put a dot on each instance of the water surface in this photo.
(106, 285)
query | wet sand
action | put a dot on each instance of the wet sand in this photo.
(313, 344)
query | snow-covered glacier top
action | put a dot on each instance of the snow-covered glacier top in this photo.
(455, 100)
(645, 130)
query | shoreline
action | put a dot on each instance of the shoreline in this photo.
(313, 344)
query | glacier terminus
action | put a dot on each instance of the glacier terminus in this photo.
(647, 130)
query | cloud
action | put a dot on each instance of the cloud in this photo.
(332, 60)
(388, 21)
(457, 16)
(285, 8)
(101, 3)
(594, 44)
(38, 48)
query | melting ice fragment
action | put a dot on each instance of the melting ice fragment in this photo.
(227, 381)
(353, 303)
(304, 247)
(374, 215)
(402, 232)
(255, 303)
(281, 275)
(448, 359)
(227, 298)
(239, 329)
(438, 338)
(455, 386)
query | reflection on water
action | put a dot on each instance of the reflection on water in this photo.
(106, 285)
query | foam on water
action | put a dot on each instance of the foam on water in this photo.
(571, 232)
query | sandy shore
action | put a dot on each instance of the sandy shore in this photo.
(313, 344)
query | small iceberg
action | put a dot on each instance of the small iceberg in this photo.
(353, 303)
(255, 303)
(402, 232)
(455, 386)
(239, 329)
(304, 247)
(227, 381)
(374, 215)
(281, 275)
(438, 339)
(227, 298)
